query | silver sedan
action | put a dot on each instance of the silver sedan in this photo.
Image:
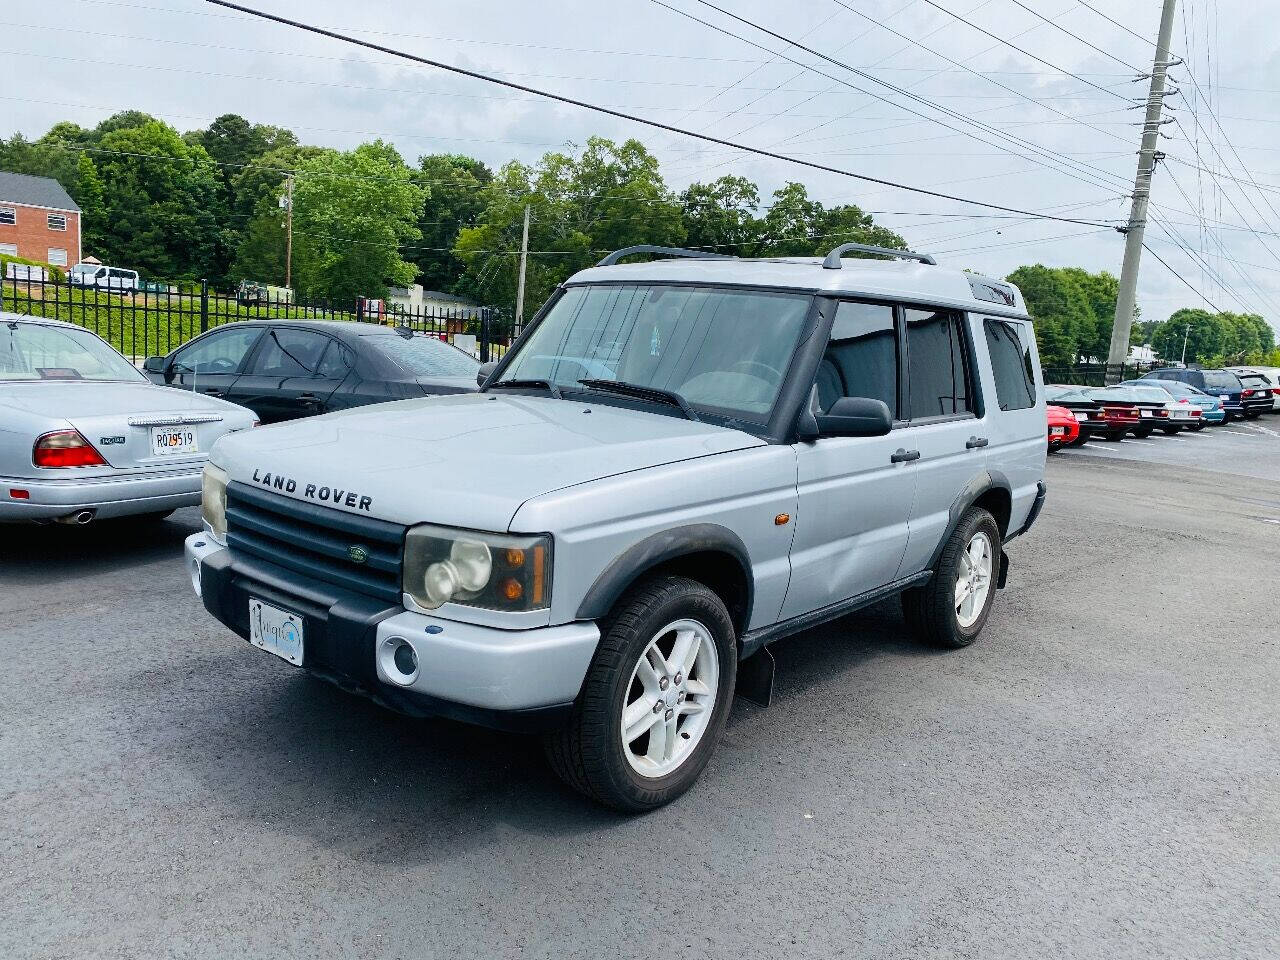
(84, 435)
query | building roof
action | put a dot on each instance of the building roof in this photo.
(34, 191)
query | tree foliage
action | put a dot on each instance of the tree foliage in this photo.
(1213, 339)
(1073, 311)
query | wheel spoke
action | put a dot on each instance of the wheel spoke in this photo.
(647, 675)
(696, 688)
(659, 740)
(657, 661)
(962, 592)
(638, 718)
(691, 706)
(685, 651)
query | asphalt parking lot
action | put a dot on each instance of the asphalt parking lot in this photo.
(1098, 777)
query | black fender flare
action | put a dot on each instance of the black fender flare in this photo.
(978, 485)
(657, 549)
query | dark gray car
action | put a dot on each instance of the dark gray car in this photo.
(286, 369)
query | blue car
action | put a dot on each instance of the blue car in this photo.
(1238, 400)
(1213, 410)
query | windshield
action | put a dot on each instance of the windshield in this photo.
(1129, 395)
(1220, 380)
(33, 351)
(1067, 394)
(423, 356)
(80, 268)
(725, 351)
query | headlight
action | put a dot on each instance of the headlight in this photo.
(496, 571)
(213, 502)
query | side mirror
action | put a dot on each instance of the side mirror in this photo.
(483, 373)
(153, 365)
(855, 417)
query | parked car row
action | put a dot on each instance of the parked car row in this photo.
(1166, 400)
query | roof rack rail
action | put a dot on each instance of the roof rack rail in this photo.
(617, 255)
(833, 258)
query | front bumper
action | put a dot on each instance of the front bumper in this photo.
(106, 496)
(509, 679)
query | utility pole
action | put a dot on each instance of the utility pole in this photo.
(524, 256)
(1185, 334)
(1147, 157)
(288, 230)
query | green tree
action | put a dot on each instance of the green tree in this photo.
(606, 197)
(353, 213)
(160, 202)
(455, 201)
(1073, 309)
(90, 196)
(721, 215)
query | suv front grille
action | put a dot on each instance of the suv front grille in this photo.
(353, 552)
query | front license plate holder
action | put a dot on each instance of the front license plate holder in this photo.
(276, 631)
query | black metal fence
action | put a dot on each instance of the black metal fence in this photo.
(1094, 374)
(157, 319)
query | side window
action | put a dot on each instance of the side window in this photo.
(1011, 364)
(335, 363)
(937, 364)
(290, 353)
(862, 357)
(220, 352)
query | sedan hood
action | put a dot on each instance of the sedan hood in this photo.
(467, 460)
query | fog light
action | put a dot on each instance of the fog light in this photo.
(406, 660)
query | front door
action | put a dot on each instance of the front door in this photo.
(855, 493)
(211, 363)
(283, 379)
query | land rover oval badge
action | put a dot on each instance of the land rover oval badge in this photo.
(357, 553)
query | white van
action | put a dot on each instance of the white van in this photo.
(101, 277)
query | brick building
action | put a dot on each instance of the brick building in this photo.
(38, 220)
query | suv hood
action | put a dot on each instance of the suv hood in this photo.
(467, 460)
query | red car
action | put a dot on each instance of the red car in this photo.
(1064, 428)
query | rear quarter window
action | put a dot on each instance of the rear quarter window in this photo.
(1011, 364)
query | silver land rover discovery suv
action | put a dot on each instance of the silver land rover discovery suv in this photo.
(679, 462)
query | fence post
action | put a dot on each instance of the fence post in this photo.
(484, 334)
(359, 309)
(204, 305)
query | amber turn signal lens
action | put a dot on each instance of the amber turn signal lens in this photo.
(515, 558)
(512, 590)
(782, 519)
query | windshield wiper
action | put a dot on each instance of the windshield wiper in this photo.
(546, 385)
(641, 392)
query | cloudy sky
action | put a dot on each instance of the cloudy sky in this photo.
(1073, 153)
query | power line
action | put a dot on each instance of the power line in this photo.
(1026, 53)
(572, 101)
(987, 128)
(1061, 28)
(1183, 279)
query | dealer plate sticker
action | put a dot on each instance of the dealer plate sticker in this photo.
(276, 631)
(171, 441)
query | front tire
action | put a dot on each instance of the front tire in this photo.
(952, 608)
(655, 697)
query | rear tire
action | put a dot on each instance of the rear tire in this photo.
(1114, 436)
(931, 611)
(1196, 428)
(1079, 441)
(1169, 431)
(592, 755)
(1143, 432)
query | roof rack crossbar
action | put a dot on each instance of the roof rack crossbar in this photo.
(617, 255)
(833, 258)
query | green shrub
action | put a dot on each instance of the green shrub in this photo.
(57, 274)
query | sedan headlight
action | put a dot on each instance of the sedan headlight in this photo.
(213, 502)
(496, 571)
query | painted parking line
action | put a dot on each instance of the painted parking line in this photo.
(1145, 443)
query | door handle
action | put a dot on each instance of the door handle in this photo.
(902, 456)
(976, 442)
(212, 392)
(308, 397)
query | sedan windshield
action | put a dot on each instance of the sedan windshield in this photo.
(723, 351)
(34, 351)
(423, 356)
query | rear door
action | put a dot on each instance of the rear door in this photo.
(283, 380)
(944, 428)
(211, 363)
